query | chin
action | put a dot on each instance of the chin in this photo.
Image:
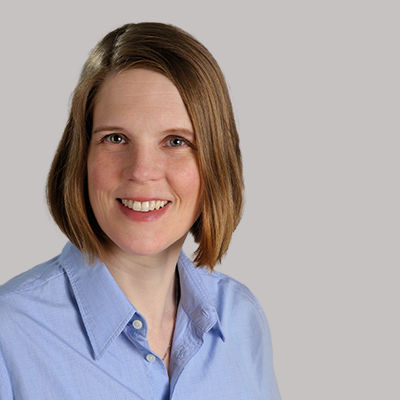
(148, 247)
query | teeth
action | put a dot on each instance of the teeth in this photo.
(144, 206)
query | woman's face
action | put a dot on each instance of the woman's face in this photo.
(143, 176)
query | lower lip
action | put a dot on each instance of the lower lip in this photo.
(146, 216)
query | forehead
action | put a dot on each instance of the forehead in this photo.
(140, 94)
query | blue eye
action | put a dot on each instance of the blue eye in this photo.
(114, 138)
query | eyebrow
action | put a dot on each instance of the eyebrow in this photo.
(170, 131)
(107, 128)
(181, 131)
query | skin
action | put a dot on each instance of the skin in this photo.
(143, 146)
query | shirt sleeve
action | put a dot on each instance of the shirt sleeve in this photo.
(267, 375)
(252, 331)
(5, 382)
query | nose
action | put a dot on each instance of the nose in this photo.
(144, 163)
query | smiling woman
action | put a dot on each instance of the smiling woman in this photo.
(149, 154)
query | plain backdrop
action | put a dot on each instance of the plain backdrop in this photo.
(315, 87)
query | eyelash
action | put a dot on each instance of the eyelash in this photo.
(107, 139)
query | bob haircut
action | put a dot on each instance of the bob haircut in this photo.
(193, 70)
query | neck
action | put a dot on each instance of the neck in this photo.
(148, 282)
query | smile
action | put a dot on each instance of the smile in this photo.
(144, 206)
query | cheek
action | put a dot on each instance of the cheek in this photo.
(186, 180)
(95, 182)
(99, 174)
(97, 179)
(99, 184)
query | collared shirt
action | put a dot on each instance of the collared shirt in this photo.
(67, 331)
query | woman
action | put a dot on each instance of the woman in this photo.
(150, 152)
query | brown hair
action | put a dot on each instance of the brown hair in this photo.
(200, 82)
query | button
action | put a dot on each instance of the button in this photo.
(150, 358)
(137, 324)
(181, 354)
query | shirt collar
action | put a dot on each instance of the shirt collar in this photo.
(196, 298)
(105, 310)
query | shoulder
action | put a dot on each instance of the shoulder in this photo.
(30, 293)
(32, 279)
(31, 302)
(224, 287)
(227, 283)
(236, 304)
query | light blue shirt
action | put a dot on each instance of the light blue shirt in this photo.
(67, 331)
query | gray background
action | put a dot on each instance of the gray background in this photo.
(315, 87)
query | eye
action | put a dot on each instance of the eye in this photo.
(114, 138)
(176, 141)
